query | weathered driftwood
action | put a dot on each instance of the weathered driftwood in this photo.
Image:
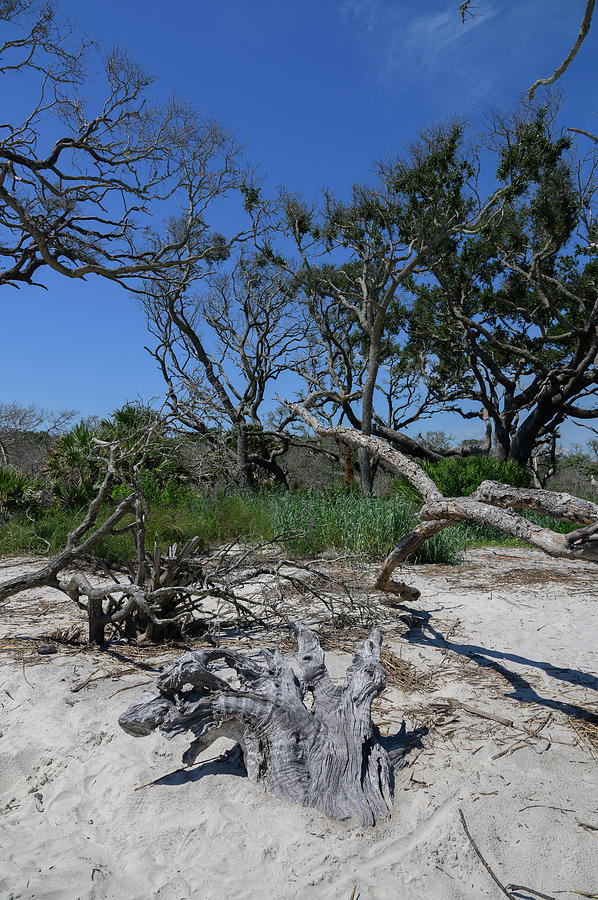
(553, 503)
(79, 542)
(582, 546)
(177, 591)
(329, 756)
(491, 504)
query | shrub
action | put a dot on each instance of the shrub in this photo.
(17, 491)
(459, 476)
(76, 470)
(72, 471)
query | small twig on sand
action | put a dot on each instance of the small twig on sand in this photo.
(128, 687)
(95, 677)
(92, 677)
(544, 806)
(592, 829)
(483, 861)
(176, 772)
(522, 887)
(512, 748)
(475, 711)
(353, 892)
(24, 676)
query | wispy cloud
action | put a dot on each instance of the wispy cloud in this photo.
(424, 52)
(432, 41)
(361, 16)
(424, 41)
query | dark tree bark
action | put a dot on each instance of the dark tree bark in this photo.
(87, 203)
(243, 455)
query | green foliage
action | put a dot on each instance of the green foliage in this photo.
(46, 534)
(75, 463)
(402, 488)
(492, 325)
(251, 196)
(16, 490)
(431, 184)
(72, 471)
(530, 151)
(459, 476)
(350, 524)
(307, 521)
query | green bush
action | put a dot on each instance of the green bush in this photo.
(350, 524)
(306, 521)
(459, 476)
(73, 473)
(16, 490)
(76, 471)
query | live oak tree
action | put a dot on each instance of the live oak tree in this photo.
(117, 187)
(356, 259)
(510, 318)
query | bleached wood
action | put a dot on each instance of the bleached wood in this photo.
(486, 505)
(552, 542)
(329, 757)
(376, 447)
(552, 503)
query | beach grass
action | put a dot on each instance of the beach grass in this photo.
(306, 522)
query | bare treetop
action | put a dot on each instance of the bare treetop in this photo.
(86, 187)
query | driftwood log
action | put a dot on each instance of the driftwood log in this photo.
(330, 756)
(491, 504)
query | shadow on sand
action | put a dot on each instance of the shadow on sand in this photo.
(421, 631)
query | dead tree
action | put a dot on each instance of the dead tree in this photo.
(220, 354)
(91, 202)
(329, 756)
(491, 504)
(26, 432)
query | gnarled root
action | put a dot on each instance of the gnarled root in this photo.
(329, 757)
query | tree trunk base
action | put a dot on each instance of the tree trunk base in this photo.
(329, 756)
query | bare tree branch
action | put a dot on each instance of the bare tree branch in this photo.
(583, 30)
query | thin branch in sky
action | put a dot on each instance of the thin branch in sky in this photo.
(583, 30)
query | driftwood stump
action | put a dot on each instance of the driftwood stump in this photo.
(329, 756)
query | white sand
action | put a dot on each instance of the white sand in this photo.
(72, 824)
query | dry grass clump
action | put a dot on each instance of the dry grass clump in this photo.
(587, 731)
(403, 674)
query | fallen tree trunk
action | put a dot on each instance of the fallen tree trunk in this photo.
(552, 503)
(376, 447)
(585, 545)
(329, 757)
(490, 504)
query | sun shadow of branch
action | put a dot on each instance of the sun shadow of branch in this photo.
(421, 631)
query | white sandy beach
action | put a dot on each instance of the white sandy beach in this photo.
(511, 633)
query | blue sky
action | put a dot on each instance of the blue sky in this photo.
(317, 91)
